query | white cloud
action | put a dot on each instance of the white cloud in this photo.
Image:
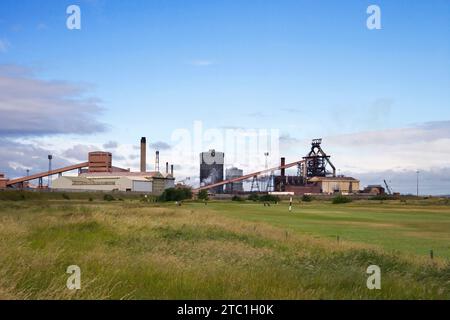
(423, 146)
(41, 26)
(435, 181)
(424, 132)
(398, 153)
(4, 45)
(256, 114)
(111, 145)
(31, 106)
(293, 110)
(202, 63)
(16, 157)
(79, 152)
(160, 145)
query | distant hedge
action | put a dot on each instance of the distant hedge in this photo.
(176, 194)
(253, 197)
(269, 198)
(380, 197)
(263, 198)
(236, 198)
(341, 199)
(108, 197)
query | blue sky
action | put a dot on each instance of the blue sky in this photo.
(308, 68)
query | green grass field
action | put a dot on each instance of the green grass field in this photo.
(223, 250)
(416, 228)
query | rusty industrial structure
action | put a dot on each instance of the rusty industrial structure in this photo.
(99, 174)
(313, 176)
(316, 162)
(100, 162)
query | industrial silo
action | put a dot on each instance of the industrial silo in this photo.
(232, 173)
(211, 169)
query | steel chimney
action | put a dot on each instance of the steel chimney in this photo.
(157, 161)
(143, 155)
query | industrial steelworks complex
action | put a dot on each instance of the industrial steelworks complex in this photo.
(315, 174)
(312, 176)
(98, 174)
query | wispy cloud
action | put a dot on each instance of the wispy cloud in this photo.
(111, 145)
(433, 181)
(4, 45)
(256, 114)
(287, 139)
(41, 26)
(372, 154)
(31, 106)
(202, 63)
(16, 157)
(292, 110)
(422, 132)
(79, 152)
(160, 145)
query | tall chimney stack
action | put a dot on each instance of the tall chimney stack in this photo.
(167, 167)
(283, 162)
(143, 154)
(171, 169)
(157, 162)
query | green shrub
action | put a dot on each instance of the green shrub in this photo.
(203, 195)
(341, 199)
(307, 198)
(269, 198)
(253, 197)
(108, 197)
(237, 198)
(65, 196)
(176, 194)
(380, 197)
(12, 195)
(90, 199)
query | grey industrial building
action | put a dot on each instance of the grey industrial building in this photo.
(211, 169)
(234, 187)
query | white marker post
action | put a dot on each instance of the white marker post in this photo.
(290, 204)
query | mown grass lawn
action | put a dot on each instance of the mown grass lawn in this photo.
(223, 250)
(413, 228)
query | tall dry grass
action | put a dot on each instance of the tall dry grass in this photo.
(130, 250)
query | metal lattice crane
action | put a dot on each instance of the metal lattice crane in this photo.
(387, 188)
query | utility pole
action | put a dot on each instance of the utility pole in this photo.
(417, 185)
(266, 176)
(266, 154)
(49, 182)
